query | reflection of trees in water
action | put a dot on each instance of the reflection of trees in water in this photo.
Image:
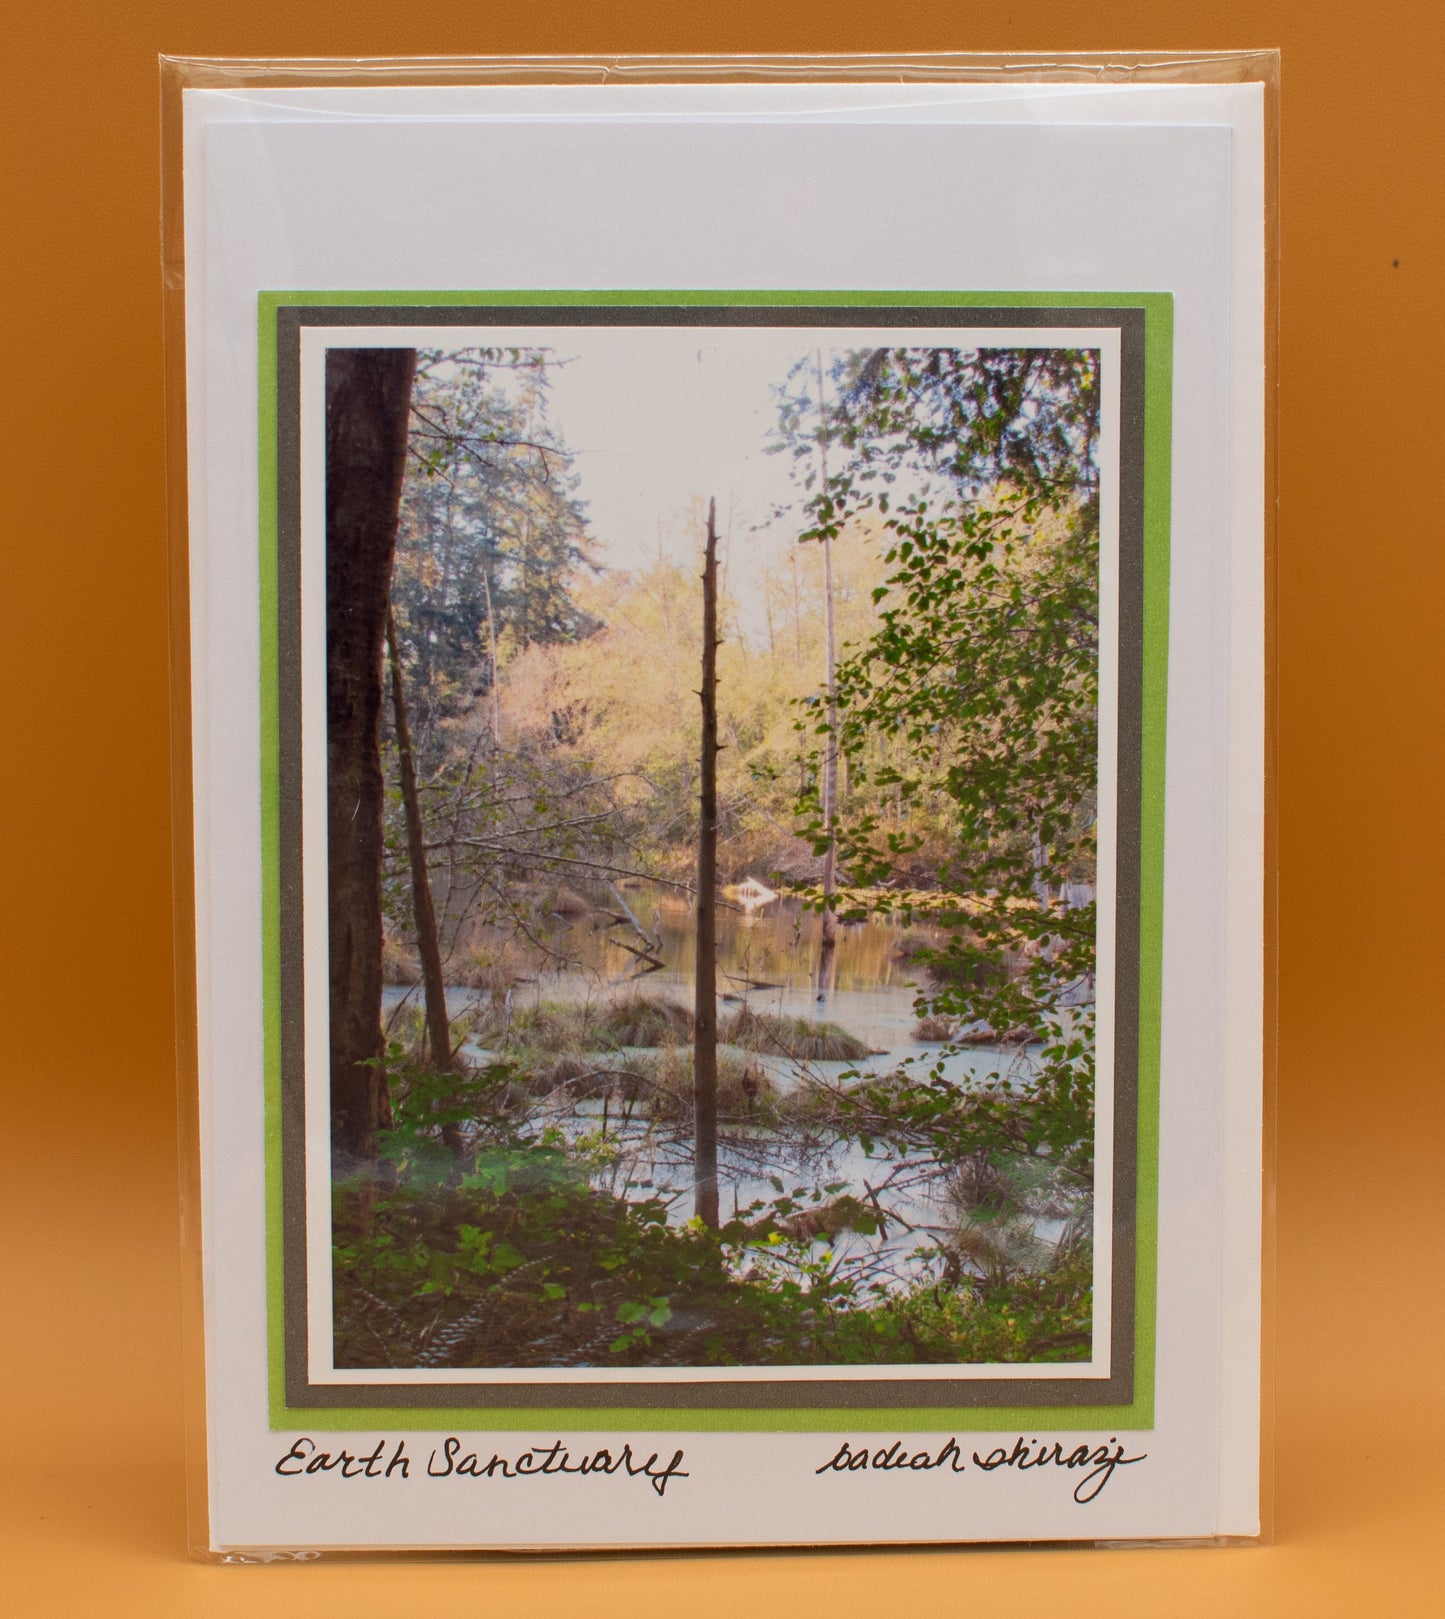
(886, 1219)
(775, 945)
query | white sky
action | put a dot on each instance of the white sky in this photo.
(656, 416)
(659, 417)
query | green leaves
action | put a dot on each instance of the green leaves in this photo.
(463, 1277)
(968, 722)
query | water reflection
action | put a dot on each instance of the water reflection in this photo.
(776, 945)
(768, 961)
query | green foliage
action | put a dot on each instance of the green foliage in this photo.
(489, 1100)
(985, 659)
(524, 1264)
(983, 675)
(973, 418)
(509, 1253)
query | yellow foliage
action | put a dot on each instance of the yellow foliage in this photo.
(626, 697)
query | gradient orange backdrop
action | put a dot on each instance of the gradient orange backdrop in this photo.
(91, 1481)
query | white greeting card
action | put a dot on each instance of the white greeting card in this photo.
(726, 669)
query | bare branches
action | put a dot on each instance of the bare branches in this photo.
(439, 433)
(542, 857)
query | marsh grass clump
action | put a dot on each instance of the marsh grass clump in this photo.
(825, 1221)
(660, 1080)
(934, 1027)
(588, 1077)
(997, 1247)
(997, 1201)
(745, 1090)
(545, 1072)
(634, 1020)
(844, 1107)
(565, 902)
(645, 1020)
(478, 971)
(405, 1025)
(798, 1038)
(982, 1034)
(549, 1026)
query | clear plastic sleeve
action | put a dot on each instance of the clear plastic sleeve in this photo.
(862, 1134)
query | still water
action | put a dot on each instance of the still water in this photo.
(769, 960)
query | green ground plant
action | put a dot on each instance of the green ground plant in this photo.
(512, 1254)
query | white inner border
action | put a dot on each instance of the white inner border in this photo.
(315, 340)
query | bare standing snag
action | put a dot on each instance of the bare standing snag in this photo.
(704, 1065)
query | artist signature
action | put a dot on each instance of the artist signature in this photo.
(1026, 1454)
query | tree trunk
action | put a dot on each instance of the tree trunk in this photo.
(494, 695)
(428, 945)
(368, 401)
(830, 753)
(704, 1048)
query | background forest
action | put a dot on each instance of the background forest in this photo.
(714, 996)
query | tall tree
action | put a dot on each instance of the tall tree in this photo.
(368, 399)
(704, 1050)
(829, 935)
(491, 536)
(490, 545)
(428, 945)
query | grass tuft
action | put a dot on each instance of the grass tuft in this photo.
(934, 1027)
(634, 1020)
(799, 1038)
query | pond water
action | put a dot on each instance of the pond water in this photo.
(770, 960)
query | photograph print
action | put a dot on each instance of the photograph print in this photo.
(714, 744)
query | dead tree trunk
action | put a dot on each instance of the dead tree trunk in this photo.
(704, 1048)
(368, 402)
(428, 945)
(829, 939)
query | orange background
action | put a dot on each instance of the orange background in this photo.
(91, 1479)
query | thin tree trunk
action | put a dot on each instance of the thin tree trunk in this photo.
(704, 1050)
(368, 402)
(428, 942)
(492, 654)
(1040, 887)
(830, 754)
